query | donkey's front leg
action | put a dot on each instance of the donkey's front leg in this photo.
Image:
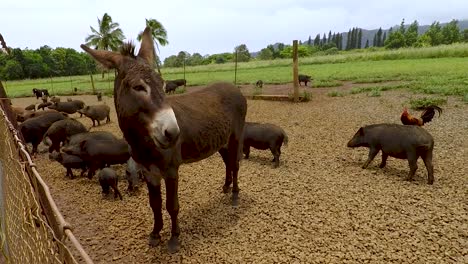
(154, 192)
(172, 206)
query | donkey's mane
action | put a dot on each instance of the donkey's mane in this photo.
(128, 49)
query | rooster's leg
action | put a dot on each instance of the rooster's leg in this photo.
(372, 153)
(384, 160)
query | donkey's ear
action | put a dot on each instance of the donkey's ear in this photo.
(109, 59)
(147, 47)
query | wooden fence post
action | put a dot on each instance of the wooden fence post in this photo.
(295, 72)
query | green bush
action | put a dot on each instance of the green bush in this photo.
(426, 101)
(335, 94)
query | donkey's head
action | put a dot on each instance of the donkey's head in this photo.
(139, 94)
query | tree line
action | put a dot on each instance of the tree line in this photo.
(16, 64)
(48, 62)
(332, 43)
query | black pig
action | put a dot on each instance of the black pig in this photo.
(69, 162)
(108, 179)
(31, 107)
(96, 113)
(34, 128)
(59, 131)
(264, 136)
(100, 153)
(67, 107)
(398, 141)
(43, 105)
(97, 135)
(304, 78)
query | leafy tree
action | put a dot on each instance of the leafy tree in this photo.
(451, 32)
(359, 39)
(171, 61)
(329, 36)
(317, 40)
(348, 40)
(265, 54)
(367, 44)
(195, 59)
(309, 41)
(434, 33)
(12, 70)
(108, 36)
(378, 38)
(411, 34)
(395, 40)
(34, 66)
(465, 35)
(243, 53)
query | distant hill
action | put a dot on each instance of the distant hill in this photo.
(369, 34)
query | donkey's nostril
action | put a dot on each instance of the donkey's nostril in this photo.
(171, 133)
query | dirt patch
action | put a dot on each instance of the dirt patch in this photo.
(319, 206)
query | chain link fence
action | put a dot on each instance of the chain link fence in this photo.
(32, 229)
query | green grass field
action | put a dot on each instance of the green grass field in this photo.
(436, 70)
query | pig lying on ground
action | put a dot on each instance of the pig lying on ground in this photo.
(60, 131)
(398, 141)
(96, 113)
(264, 136)
(69, 162)
(108, 179)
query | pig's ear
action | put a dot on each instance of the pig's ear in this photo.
(361, 131)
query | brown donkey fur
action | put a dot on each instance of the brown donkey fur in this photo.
(164, 132)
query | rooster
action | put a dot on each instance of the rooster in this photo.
(426, 116)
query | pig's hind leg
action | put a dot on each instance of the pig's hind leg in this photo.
(427, 158)
(413, 164)
(372, 153)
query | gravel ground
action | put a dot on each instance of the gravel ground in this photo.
(319, 206)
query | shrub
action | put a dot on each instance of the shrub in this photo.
(426, 101)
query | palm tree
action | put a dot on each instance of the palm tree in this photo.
(108, 36)
(159, 34)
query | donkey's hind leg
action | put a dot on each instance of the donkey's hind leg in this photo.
(235, 154)
(225, 155)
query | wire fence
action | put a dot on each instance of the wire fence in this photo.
(32, 229)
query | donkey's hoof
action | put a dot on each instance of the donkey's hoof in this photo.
(235, 199)
(154, 240)
(227, 189)
(173, 245)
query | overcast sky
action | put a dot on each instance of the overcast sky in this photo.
(212, 26)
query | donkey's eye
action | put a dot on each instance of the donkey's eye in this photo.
(139, 88)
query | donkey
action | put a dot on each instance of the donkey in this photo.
(165, 132)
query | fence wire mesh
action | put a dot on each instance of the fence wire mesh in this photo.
(32, 230)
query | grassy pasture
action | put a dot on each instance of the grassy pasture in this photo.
(435, 70)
